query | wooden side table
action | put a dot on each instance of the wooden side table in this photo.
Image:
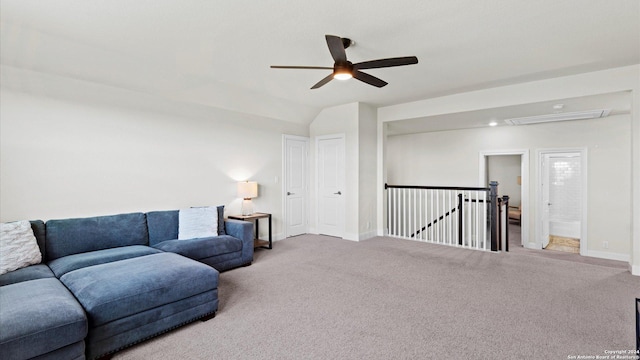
(255, 217)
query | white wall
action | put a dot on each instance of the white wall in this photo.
(367, 143)
(74, 149)
(451, 158)
(505, 169)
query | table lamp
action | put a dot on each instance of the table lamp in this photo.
(247, 190)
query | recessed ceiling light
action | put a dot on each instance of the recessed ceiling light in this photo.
(558, 106)
(493, 123)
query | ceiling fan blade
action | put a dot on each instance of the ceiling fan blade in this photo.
(302, 67)
(382, 63)
(336, 48)
(369, 79)
(323, 81)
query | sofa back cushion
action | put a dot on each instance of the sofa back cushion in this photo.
(38, 231)
(74, 236)
(163, 225)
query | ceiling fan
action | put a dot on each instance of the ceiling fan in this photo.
(344, 69)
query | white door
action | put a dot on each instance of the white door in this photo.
(562, 183)
(331, 192)
(295, 184)
(546, 202)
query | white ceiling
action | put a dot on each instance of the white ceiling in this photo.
(218, 53)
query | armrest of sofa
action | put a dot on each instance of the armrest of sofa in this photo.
(242, 230)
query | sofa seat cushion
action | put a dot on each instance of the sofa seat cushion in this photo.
(32, 272)
(202, 248)
(70, 263)
(38, 316)
(118, 289)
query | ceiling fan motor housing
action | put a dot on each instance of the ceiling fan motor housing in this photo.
(343, 68)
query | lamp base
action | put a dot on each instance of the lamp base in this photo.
(247, 207)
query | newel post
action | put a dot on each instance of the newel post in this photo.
(493, 199)
(505, 201)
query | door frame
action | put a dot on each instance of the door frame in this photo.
(540, 153)
(284, 177)
(524, 187)
(317, 177)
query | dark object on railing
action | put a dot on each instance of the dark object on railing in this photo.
(495, 229)
(506, 223)
(424, 228)
(504, 201)
(638, 324)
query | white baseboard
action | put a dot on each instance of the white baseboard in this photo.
(368, 235)
(532, 245)
(635, 269)
(351, 236)
(608, 255)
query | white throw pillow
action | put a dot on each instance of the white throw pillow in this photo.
(197, 222)
(18, 246)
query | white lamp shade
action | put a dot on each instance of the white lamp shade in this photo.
(247, 189)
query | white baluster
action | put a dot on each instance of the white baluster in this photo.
(484, 222)
(420, 215)
(396, 206)
(477, 219)
(415, 214)
(404, 212)
(448, 219)
(390, 212)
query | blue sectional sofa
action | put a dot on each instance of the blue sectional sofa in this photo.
(109, 282)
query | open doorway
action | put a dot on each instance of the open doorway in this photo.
(562, 201)
(505, 169)
(510, 168)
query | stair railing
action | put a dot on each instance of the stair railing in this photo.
(456, 216)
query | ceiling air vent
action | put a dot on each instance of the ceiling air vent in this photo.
(578, 115)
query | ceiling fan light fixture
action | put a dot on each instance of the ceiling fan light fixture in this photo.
(342, 76)
(343, 71)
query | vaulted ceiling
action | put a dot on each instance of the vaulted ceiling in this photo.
(218, 53)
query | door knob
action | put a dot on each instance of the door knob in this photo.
(337, 193)
(290, 193)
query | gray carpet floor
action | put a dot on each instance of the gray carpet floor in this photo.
(317, 297)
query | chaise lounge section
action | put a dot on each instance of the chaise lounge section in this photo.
(129, 291)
